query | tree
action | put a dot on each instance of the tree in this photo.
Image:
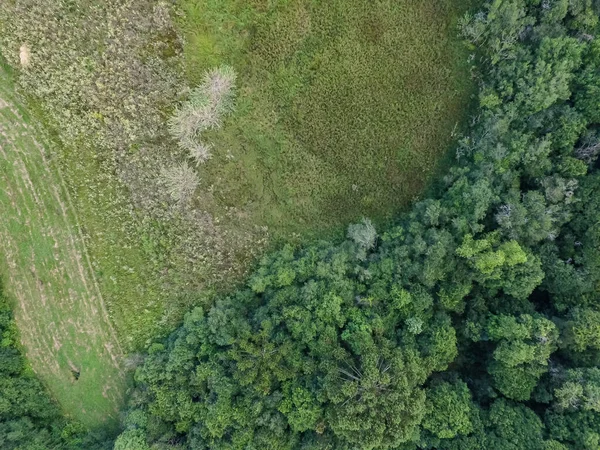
(131, 440)
(582, 330)
(448, 410)
(434, 333)
(521, 356)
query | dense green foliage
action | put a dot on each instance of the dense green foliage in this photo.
(474, 323)
(29, 418)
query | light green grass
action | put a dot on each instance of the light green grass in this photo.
(345, 107)
(62, 321)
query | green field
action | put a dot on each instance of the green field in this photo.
(59, 309)
(344, 107)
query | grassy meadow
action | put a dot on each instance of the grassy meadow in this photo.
(63, 323)
(344, 107)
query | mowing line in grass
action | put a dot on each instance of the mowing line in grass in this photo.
(63, 323)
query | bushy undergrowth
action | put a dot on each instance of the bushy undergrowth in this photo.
(471, 324)
(94, 80)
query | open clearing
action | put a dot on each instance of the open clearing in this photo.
(345, 107)
(61, 317)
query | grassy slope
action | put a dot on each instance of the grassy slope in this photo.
(125, 253)
(345, 106)
(59, 310)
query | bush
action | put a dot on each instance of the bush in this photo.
(181, 182)
(204, 110)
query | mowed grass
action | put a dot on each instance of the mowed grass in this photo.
(62, 320)
(344, 110)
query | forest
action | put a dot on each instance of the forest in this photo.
(470, 320)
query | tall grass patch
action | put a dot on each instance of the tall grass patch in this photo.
(344, 107)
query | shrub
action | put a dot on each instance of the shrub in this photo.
(337, 346)
(204, 110)
(181, 181)
(218, 88)
(200, 152)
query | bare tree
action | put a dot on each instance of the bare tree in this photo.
(589, 149)
(181, 181)
(204, 110)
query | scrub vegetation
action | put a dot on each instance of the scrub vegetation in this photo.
(104, 79)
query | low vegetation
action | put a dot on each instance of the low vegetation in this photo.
(63, 323)
(344, 107)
